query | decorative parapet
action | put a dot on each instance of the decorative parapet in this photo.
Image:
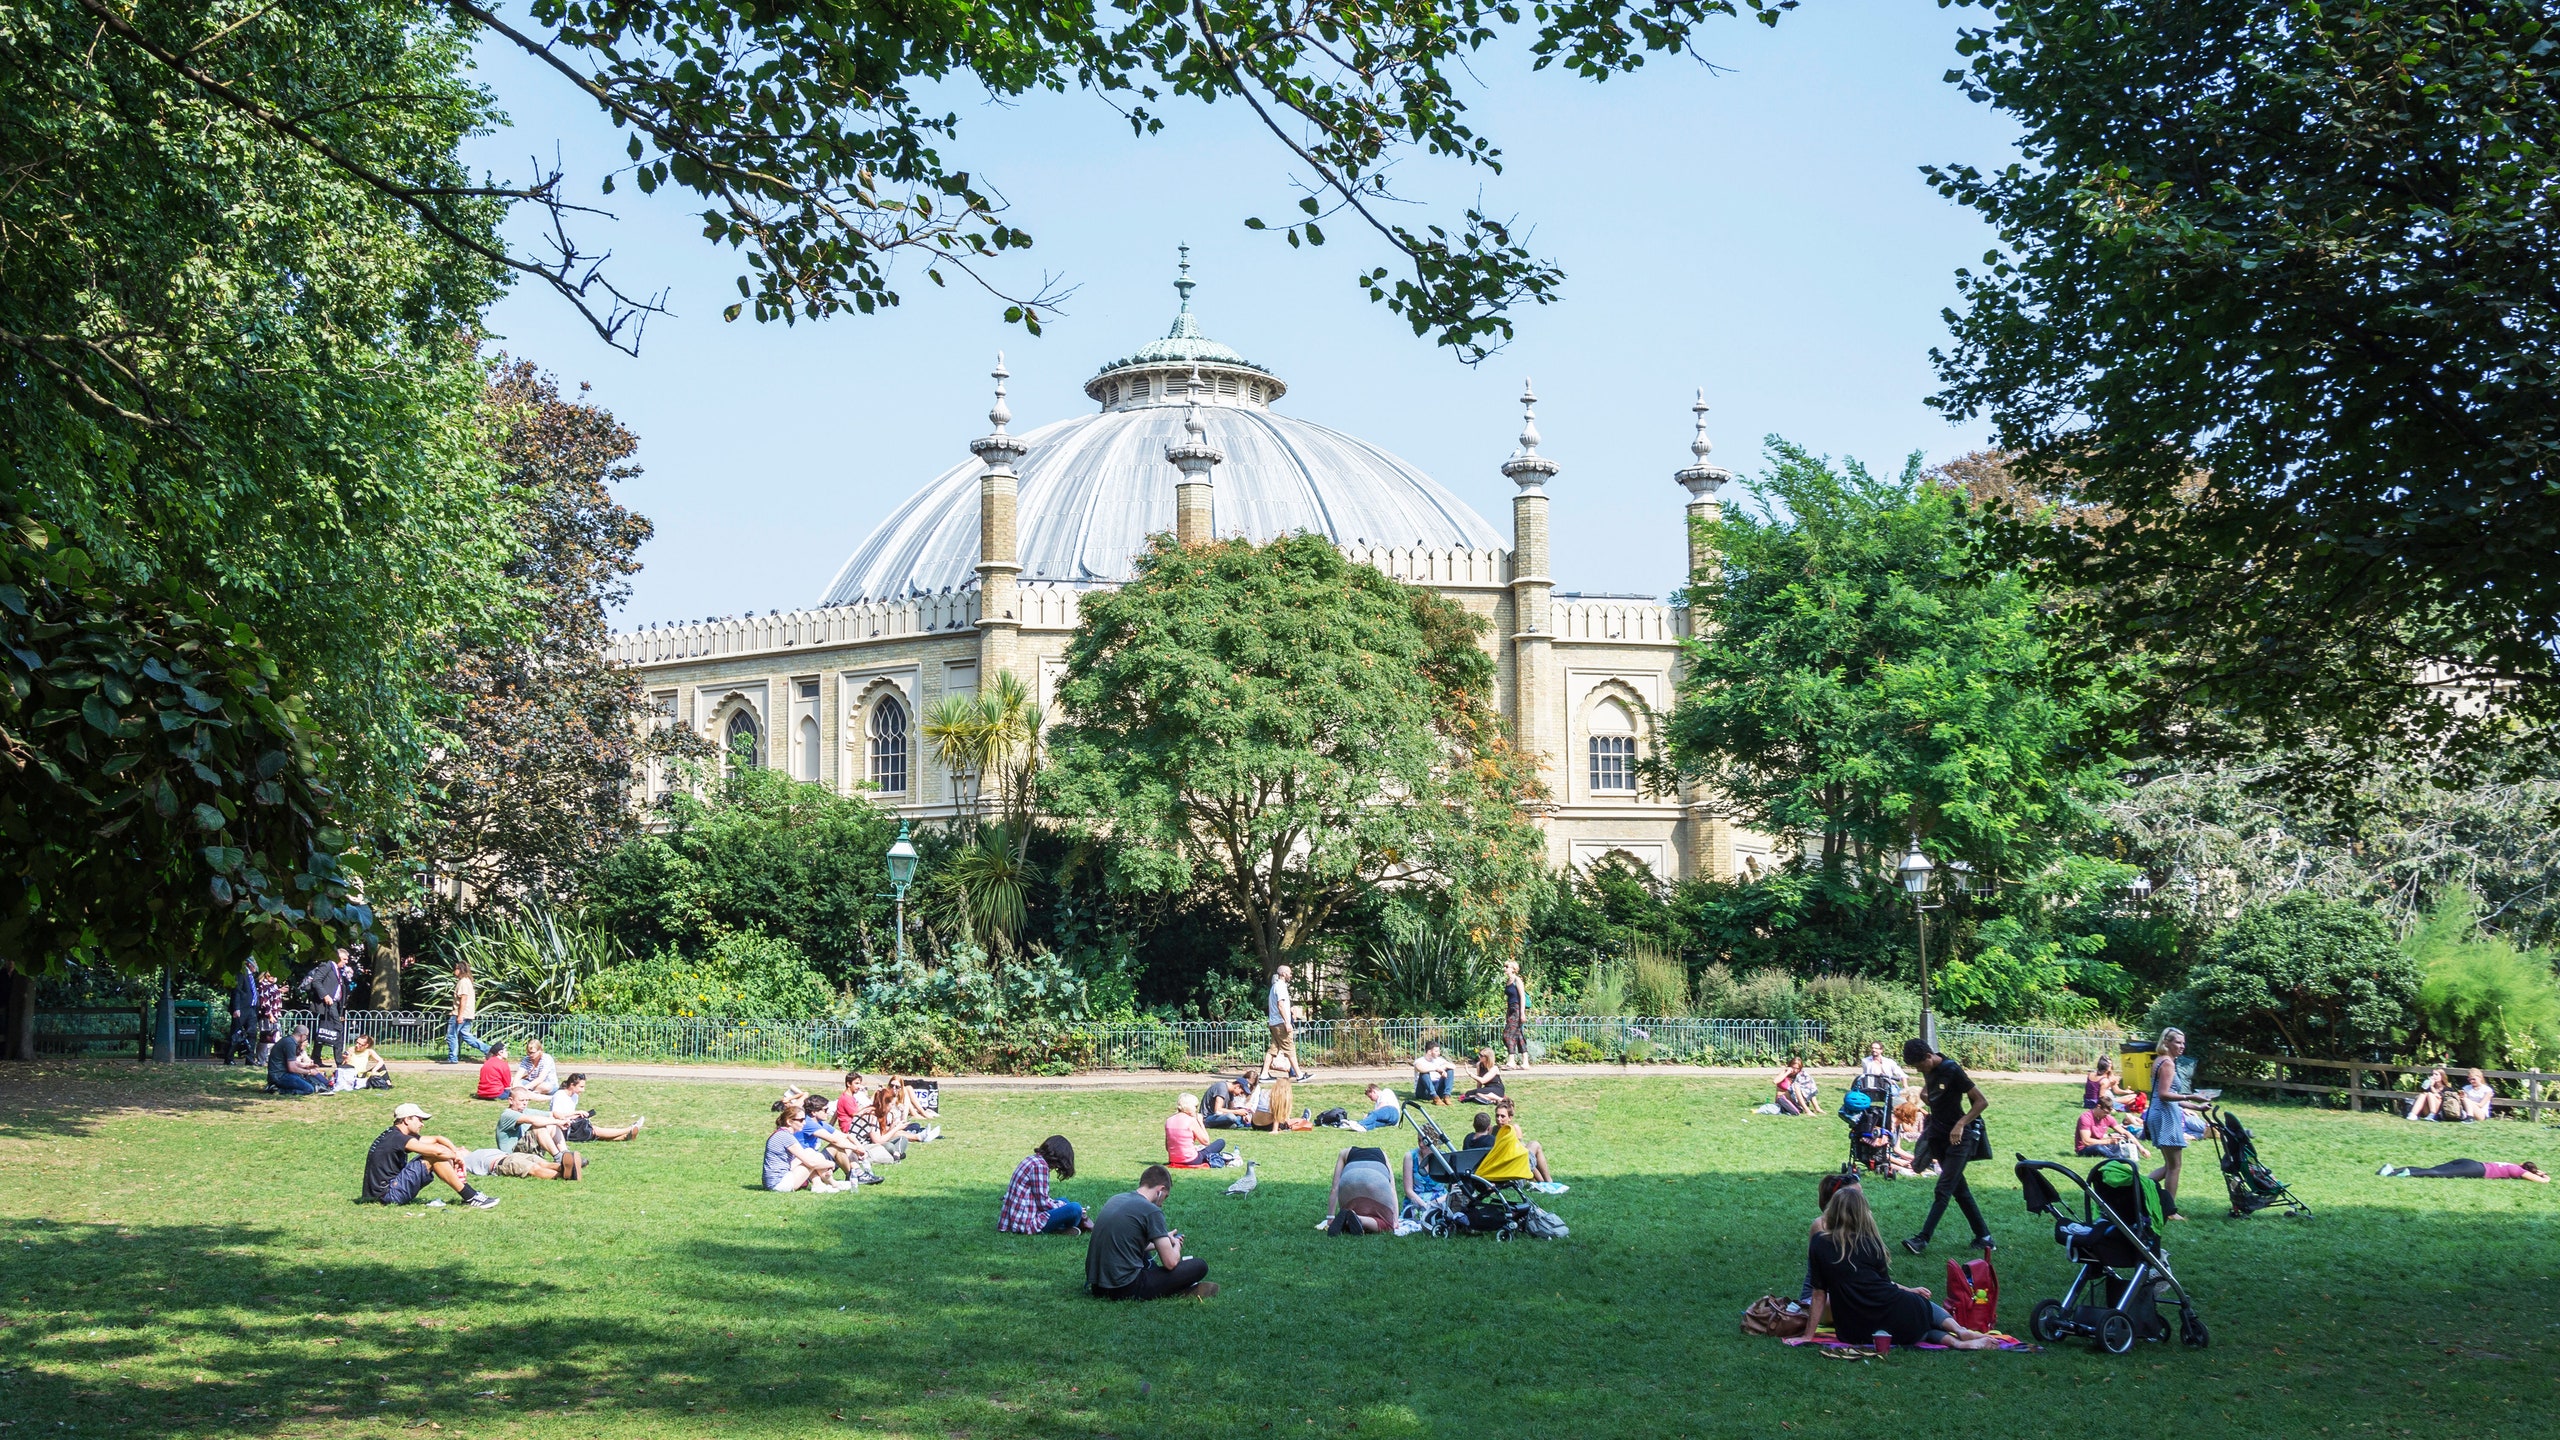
(1633, 621)
(796, 629)
(1421, 565)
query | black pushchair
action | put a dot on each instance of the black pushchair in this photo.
(1868, 1110)
(2116, 1231)
(2253, 1187)
(1484, 1195)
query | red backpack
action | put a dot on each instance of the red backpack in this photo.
(1973, 1293)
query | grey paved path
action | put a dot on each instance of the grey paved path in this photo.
(1168, 1079)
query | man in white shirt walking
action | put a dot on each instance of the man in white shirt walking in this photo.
(1284, 1035)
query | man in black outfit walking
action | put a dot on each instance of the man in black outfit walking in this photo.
(327, 984)
(1951, 1133)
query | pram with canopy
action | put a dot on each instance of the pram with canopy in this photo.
(1484, 1195)
(2253, 1187)
(1868, 1110)
(2116, 1231)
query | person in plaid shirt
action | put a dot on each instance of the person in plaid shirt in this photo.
(1028, 1208)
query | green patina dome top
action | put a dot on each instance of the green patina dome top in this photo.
(1183, 343)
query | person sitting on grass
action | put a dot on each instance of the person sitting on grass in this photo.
(790, 1165)
(1363, 1200)
(497, 1076)
(835, 1144)
(290, 1070)
(1129, 1232)
(2100, 1134)
(1504, 1115)
(1422, 1188)
(850, 1101)
(1273, 1094)
(402, 1161)
(529, 1132)
(895, 1107)
(2098, 1091)
(1822, 1193)
(1853, 1283)
(1227, 1104)
(1791, 1089)
(1187, 1145)
(517, 1162)
(2470, 1170)
(2428, 1103)
(372, 1071)
(2476, 1095)
(1480, 1136)
(1488, 1077)
(1432, 1076)
(1384, 1112)
(536, 1076)
(1028, 1208)
(579, 1124)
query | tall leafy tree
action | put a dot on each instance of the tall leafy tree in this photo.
(532, 784)
(2275, 286)
(1855, 682)
(1294, 730)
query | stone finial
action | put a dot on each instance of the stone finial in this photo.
(1194, 455)
(1182, 276)
(997, 447)
(1527, 468)
(1702, 479)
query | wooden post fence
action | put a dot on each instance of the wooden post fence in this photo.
(2531, 1104)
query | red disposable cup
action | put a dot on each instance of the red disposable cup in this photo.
(1884, 1342)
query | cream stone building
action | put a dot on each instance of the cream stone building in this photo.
(982, 571)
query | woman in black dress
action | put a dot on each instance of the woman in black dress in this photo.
(1853, 1280)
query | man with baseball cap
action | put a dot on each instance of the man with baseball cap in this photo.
(402, 1161)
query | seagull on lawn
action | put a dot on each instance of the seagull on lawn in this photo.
(1246, 1185)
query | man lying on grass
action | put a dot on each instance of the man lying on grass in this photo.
(1129, 1228)
(402, 1161)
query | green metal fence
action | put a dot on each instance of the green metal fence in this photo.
(1201, 1046)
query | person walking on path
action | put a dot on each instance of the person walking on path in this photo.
(1284, 1032)
(1515, 1015)
(1952, 1134)
(1128, 1232)
(327, 987)
(466, 1008)
(244, 1014)
(270, 1018)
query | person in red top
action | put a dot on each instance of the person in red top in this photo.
(1187, 1145)
(497, 1078)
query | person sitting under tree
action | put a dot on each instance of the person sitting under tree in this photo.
(402, 1161)
(1130, 1232)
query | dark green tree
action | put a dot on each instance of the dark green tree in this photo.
(2278, 291)
(2305, 975)
(1294, 730)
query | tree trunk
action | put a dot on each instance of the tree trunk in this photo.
(17, 1013)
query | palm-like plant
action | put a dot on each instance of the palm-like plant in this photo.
(990, 742)
(986, 892)
(1426, 972)
(532, 961)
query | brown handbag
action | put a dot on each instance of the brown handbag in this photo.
(1768, 1315)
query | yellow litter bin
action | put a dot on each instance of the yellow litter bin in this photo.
(2134, 1059)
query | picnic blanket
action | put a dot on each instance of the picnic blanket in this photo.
(1825, 1340)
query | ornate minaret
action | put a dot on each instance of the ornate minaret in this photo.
(1533, 686)
(999, 609)
(1708, 836)
(1195, 457)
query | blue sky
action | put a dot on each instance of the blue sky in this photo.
(1761, 230)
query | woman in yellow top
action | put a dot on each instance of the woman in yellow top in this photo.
(369, 1065)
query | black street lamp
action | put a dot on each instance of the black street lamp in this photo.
(1914, 871)
(902, 873)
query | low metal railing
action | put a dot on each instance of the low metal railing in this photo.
(1207, 1045)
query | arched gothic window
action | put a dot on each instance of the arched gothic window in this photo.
(1613, 749)
(889, 746)
(742, 741)
(809, 748)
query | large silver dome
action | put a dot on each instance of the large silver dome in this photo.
(1093, 488)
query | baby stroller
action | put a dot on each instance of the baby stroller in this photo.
(2117, 1230)
(2253, 1187)
(1484, 1195)
(1868, 1109)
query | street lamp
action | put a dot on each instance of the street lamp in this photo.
(1914, 871)
(902, 873)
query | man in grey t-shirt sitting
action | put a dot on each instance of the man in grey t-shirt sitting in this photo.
(1129, 1226)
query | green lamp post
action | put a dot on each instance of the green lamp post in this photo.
(902, 873)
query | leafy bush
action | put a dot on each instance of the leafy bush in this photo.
(533, 961)
(1604, 989)
(1854, 1012)
(2483, 1000)
(1574, 1050)
(907, 1042)
(2306, 976)
(1036, 1047)
(962, 984)
(744, 973)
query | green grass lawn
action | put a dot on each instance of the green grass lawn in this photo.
(182, 1257)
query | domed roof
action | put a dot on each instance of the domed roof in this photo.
(1094, 487)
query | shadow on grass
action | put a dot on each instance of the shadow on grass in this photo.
(64, 1098)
